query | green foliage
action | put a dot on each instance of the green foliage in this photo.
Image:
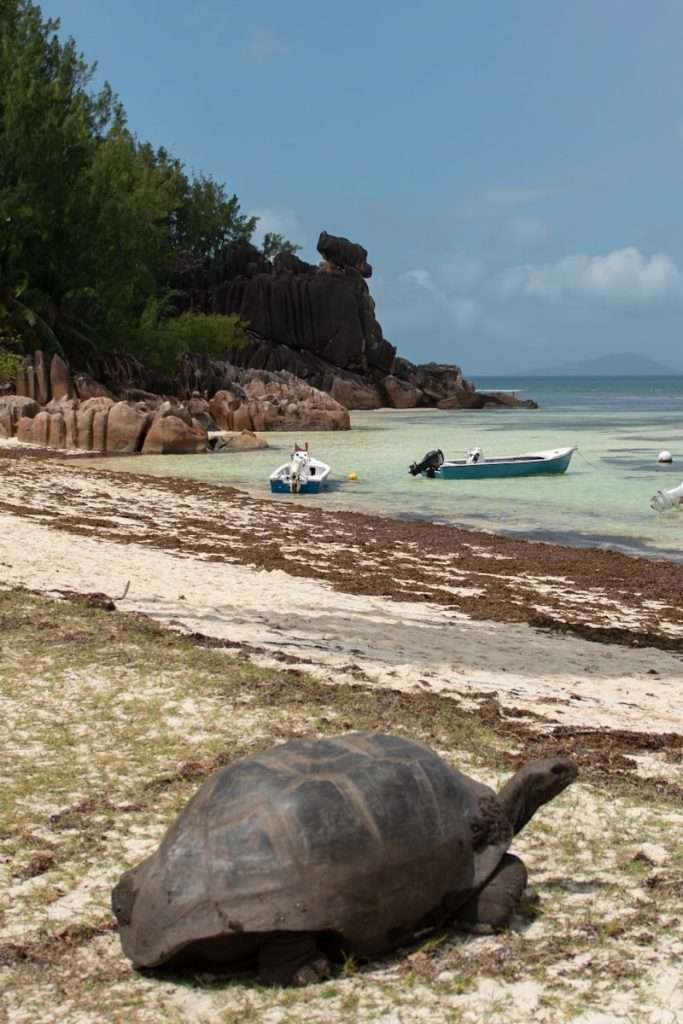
(161, 342)
(10, 364)
(277, 245)
(94, 224)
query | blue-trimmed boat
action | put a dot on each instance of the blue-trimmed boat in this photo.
(476, 467)
(301, 475)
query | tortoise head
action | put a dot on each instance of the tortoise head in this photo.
(534, 785)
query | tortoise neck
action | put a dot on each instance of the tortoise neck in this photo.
(514, 800)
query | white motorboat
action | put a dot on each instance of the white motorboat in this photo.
(301, 475)
(664, 500)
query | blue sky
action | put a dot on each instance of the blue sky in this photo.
(515, 170)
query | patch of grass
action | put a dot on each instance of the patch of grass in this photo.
(112, 723)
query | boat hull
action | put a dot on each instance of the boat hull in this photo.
(310, 487)
(496, 469)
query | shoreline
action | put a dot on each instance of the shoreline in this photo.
(581, 637)
(597, 543)
(626, 545)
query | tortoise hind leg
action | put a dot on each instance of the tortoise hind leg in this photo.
(292, 958)
(491, 909)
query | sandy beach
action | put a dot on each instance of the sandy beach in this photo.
(552, 648)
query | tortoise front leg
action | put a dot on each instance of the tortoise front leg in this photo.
(291, 958)
(491, 909)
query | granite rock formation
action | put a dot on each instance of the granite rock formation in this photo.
(246, 400)
(314, 323)
(319, 324)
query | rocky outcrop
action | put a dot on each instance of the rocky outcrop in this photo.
(324, 311)
(171, 434)
(245, 441)
(315, 323)
(253, 400)
(127, 425)
(258, 400)
(319, 324)
(12, 409)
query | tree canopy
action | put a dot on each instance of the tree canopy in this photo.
(94, 223)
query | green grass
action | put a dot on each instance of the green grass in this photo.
(109, 725)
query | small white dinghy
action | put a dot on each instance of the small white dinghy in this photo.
(664, 500)
(301, 475)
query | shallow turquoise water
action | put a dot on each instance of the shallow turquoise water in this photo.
(603, 500)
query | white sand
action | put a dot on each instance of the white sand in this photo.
(406, 645)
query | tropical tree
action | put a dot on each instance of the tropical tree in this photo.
(95, 225)
(275, 244)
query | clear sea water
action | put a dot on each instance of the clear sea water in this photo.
(619, 423)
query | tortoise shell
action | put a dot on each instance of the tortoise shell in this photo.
(361, 835)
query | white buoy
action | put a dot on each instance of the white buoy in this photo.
(665, 457)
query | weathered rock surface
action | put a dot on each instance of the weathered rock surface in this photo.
(259, 400)
(315, 323)
(13, 407)
(319, 324)
(170, 434)
(86, 387)
(6, 426)
(245, 441)
(61, 384)
(127, 425)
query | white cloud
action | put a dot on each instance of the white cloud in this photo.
(422, 278)
(461, 273)
(264, 45)
(445, 302)
(622, 277)
(525, 231)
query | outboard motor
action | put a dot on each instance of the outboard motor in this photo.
(429, 464)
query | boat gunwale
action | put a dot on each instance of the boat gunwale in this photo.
(530, 458)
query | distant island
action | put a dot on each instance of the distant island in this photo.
(616, 364)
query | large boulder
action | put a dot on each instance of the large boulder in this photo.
(6, 425)
(84, 425)
(14, 407)
(87, 387)
(100, 425)
(56, 437)
(340, 252)
(172, 435)
(98, 403)
(42, 379)
(25, 429)
(127, 425)
(355, 394)
(400, 394)
(307, 309)
(245, 441)
(280, 401)
(200, 411)
(40, 429)
(223, 405)
(61, 384)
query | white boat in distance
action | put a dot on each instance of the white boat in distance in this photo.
(664, 500)
(301, 475)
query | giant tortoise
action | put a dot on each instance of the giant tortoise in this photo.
(346, 844)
